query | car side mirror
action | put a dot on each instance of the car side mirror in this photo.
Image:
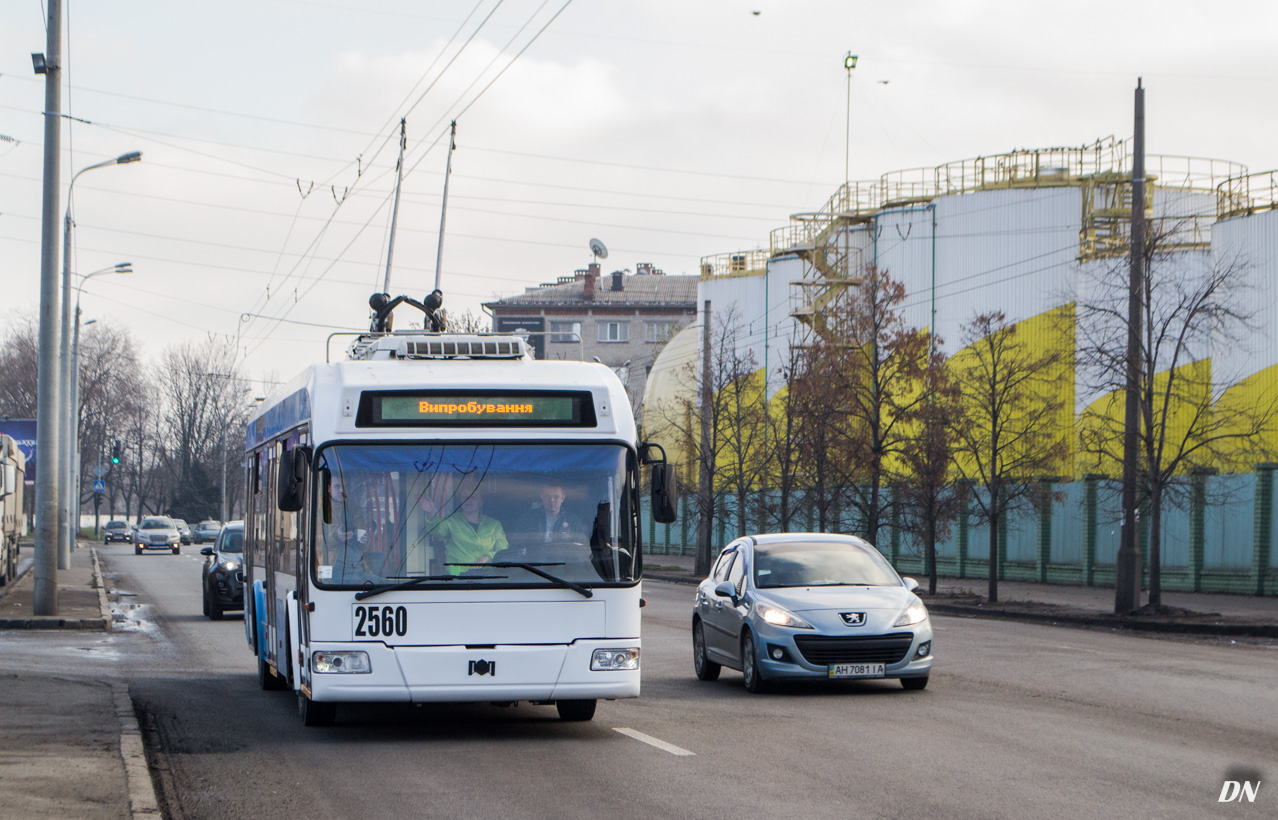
(206, 551)
(910, 584)
(726, 589)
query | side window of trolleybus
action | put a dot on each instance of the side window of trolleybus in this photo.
(391, 512)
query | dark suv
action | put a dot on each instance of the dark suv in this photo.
(117, 531)
(221, 585)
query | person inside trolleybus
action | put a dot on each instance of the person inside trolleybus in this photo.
(469, 536)
(551, 522)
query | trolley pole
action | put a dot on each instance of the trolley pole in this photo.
(47, 503)
(1127, 570)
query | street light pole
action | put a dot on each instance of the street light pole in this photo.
(73, 520)
(46, 546)
(849, 62)
(66, 534)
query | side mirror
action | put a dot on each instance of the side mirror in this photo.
(726, 590)
(664, 493)
(206, 551)
(294, 468)
(910, 584)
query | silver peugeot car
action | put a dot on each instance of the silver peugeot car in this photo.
(804, 606)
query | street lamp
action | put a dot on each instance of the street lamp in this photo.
(849, 62)
(73, 519)
(65, 446)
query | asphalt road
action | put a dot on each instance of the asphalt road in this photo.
(1018, 721)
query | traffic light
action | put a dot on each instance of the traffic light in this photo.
(115, 453)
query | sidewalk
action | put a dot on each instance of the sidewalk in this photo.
(1192, 613)
(70, 745)
(81, 601)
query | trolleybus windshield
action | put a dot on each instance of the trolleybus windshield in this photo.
(388, 513)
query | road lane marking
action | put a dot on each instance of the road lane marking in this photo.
(652, 741)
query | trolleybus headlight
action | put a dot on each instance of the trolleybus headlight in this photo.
(613, 660)
(340, 662)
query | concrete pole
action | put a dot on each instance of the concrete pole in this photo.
(1127, 568)
(73, 521)
(47, 506)
(65, 533)
(705, 520)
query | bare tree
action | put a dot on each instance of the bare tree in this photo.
(1188, 419)
(928, 498)
(111, 381)
(204, 396)
(1010, 428)
(785, 452)
(741, 393)
(19, 368)
(882, 362)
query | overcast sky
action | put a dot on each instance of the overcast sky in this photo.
(669, 129)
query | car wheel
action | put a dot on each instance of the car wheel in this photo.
(315, 714)
(137, 550)
(914, 684)
(266, 679)
(177, 550)
(706, 669)
(215, 611)
(754, 682)
(576, 709)
(205, 598)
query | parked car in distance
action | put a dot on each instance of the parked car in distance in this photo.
(206, 531)
(220, 583)
(117, 531)
(184, 530)
(796, 606)
(156, 532)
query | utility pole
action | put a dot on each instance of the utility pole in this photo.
(705, 500)
(1127, 569)
(47, 506)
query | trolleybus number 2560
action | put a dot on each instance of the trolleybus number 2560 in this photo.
(377, 621)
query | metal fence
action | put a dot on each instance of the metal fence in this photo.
(1217, 534)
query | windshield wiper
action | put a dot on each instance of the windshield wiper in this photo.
(534, 569)
(409, 584)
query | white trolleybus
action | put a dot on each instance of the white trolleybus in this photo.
(442, 518)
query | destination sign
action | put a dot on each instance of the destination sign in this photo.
(477, 409)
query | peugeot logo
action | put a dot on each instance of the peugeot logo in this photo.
(853, 618)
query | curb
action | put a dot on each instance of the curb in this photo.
(1131, 625)
(103, 607)
(53, 622)
(142, 802)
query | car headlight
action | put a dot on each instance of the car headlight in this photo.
(780, 617)
(231, 566)
(913, 614)
(614, 660)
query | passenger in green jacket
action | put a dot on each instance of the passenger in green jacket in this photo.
(469, 536)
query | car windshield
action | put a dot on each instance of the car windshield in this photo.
(232, 541)
(816, 563)
(116, 525)
(156, 524)
(447, 513)
(210, 525)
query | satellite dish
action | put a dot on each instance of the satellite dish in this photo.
(599, 249)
